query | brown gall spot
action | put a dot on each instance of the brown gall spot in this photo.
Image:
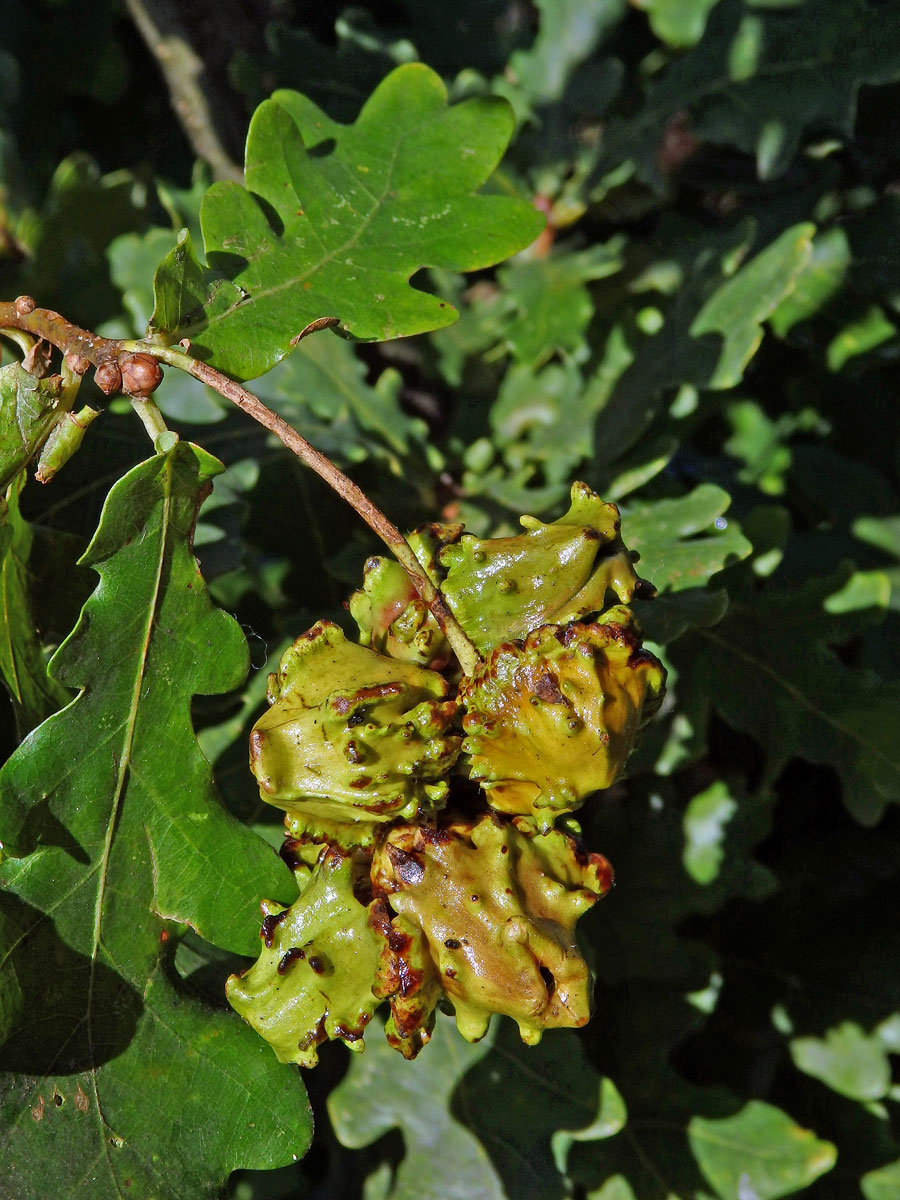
(289, 852)
(408, 869)
(318, 963)
(295, 954)
(547, 687)
(24, 305)
(269, 925)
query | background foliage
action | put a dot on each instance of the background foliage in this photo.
(706, 333)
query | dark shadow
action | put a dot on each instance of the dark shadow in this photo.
(42, 828)
(323, 149)
(50, 988)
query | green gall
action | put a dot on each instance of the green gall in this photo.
(313, 979)
(554, 718)
(352, 736)
(500, 588)
(495, 905)
(64, 440)
(394, 619)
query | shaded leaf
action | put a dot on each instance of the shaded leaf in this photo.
(882, 1184)
(795, 696)
(816, 283)
(569, 31)
(98, 841)
(552, 306)
(738, 308)
(755, 81)
(759, 1149)
(517, 1097)
(35, 695)
(665, 534)
(336, 218)
(848, 1060)
(444, 1160)
(678, 22)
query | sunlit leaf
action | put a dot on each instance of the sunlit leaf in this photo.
(336, 218)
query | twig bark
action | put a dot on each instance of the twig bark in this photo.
(89, 349)
(186, 79)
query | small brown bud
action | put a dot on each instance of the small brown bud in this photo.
(77, 363)
(141, 374)
(108, 377)
(24, 305)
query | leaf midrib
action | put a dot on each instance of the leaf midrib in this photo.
(124, 760)
(265, 293)
(799, 697)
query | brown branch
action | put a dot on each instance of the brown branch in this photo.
(345, 487)
(187, 80)
(82, 349)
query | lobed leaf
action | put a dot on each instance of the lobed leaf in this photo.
(755, 81)
(34, 694)
(335, 219)
(108, 817)
(759, 1149)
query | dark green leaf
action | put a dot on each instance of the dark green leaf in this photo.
(100, 840)
(755, 80)
(794, 694)
(665, 533)
(34, 694)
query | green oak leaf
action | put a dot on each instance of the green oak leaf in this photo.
(755, 81)
(881, 1184)
(108, 817)
(116, 1082)
(821, 278)
(34, 694)
(796, 697)
(760, 1149)
(568, 33)
(324, 381)
(444, 1160)
(682, 542)
(335, 219)
(528, 1104)
(551, 305)
(680, 23)
(850, 1061)
(147, 641)
(29, 408)
(738, 308)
